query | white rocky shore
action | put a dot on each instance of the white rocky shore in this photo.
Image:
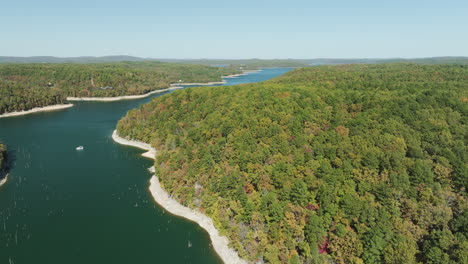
(245, 72)
(173, 86)
(221, 82)
(37, 109)
(150, 151)
(118, 98)
(4, 180)
(220, 243)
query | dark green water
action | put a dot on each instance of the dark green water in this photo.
(64, 206)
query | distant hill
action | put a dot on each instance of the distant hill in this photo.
(432, 60)
(249, 63)
(84, 59)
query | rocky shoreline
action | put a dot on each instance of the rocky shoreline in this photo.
(37, 110)
(220, 243)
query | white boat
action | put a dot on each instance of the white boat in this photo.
(80, 148)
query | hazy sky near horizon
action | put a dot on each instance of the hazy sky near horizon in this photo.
(234, 29)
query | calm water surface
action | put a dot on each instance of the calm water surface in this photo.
(93, 206)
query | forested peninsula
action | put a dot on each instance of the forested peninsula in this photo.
(26, 86)
(344, 164)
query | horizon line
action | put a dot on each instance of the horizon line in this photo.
(162, 58)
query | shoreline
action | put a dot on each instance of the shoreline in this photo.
(244, 72)
(173, 86)
(220, 243)
(4, 180)
(37, 110)
(200, 84)
(150, 151)
(123, 97)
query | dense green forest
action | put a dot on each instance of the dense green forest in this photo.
(247, 64)
(430, 60)
(25, 86)
(329, 164)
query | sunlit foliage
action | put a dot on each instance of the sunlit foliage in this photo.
(330, 164)
(25, 86)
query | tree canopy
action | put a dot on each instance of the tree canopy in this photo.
(25, 86)
(350, 163)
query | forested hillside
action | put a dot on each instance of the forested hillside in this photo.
(25, 86)
(430, 60)
(246, 64)
(330, 164)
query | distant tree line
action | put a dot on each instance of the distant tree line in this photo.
(25, 86)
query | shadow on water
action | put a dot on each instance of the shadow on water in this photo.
(9, 161)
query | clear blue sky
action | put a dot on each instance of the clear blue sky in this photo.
(234, 29)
